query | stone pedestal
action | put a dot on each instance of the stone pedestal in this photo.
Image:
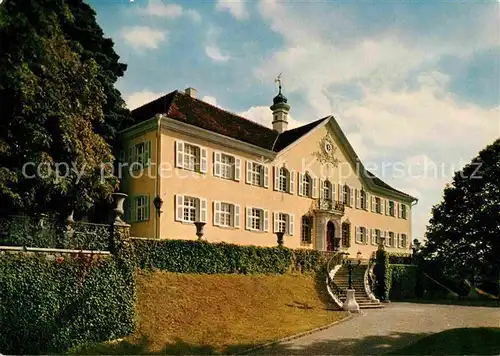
(350, 303)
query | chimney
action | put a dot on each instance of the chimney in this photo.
(191, 92)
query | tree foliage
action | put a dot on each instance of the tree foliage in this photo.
(464, 231)
(51, 100)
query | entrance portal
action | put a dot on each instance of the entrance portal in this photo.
(330, 236)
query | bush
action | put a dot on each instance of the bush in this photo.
(382, 273)
(400, 258)
(48, 306)
(403, 281)
(187, 256)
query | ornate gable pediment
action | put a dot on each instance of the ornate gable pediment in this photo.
(326, 151)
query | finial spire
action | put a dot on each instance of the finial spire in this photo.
(278, 80)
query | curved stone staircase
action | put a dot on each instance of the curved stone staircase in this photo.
(339, 282)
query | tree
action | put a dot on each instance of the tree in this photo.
(51, 99)
(464, 231)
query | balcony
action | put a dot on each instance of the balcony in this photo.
(330, 206)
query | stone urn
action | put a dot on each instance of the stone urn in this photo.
(199, 229)
(280, 238)
(118, 199)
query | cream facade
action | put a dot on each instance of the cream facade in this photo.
(315, 190)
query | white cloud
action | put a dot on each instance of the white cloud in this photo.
(210, 99)
(143, 37)
(263, 115)
(160, 9)
(388, 120)
(140, 98)
(194, 15)
(214, 53)
(237, 8)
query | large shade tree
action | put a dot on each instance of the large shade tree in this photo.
(464, 231)
(52, 99)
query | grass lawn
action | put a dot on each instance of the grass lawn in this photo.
(464, 341)
(207, 314)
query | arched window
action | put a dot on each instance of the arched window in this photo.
(306, 229)
(346, 195)
(326, 190)
(283, 179)
(306, 185)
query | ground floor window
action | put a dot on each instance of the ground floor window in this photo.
(306, 229)
(346, 234)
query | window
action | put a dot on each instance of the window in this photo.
(345, 195)
(361, 234)
(326, 190)
(190, 157)
(140, 155)
(404, 241)
(190, 209)
(257, 174)
(283, 180)
(306, 231)
(307, 185)
(226, 166)
(403, 211)
(392, 208)
(226, 214)
(375, 236)
(391, 239)
(362, 199)
(137, 208)
(283, 222)
(378, 205)
(346, 234)
(256, 219)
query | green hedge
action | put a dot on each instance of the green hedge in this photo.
(382, 273)
(399, 258)
(403, 281)
(48, 306)
(199, 256)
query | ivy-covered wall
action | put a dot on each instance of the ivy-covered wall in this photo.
(50, 305)
(185, 256)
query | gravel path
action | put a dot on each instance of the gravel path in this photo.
(379, 331)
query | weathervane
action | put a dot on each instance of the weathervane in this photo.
(278, 80)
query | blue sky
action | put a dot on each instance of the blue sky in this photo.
(414, 84)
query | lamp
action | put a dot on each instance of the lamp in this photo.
(158, 202)
(350, 267)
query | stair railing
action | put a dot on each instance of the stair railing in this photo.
(334, 290)
(368, 278)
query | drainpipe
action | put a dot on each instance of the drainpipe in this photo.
(157, 176)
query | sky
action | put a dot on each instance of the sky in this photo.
(415, 85)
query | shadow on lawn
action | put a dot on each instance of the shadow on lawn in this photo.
(463, 341)
(491, 303)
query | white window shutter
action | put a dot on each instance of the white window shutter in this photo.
(358, 199)
(203, 210)
(358, 233)
(217, 159)
(291, 224)
(237, 169)
(236, 216)
(249, 172)
(203, 160)
(248, 220)
(275, 222)
(276, 177)
(216, 213)
(407, 211)
(266, 220)
(266, 176)
(301, 184)
(398, 209)
(179, 207)
(351, 196)
(387, 205)
(340, 192)
(382, 206)
(314, 192)
(179, 154)
(334, 191)
(291, 189)
(367, 201)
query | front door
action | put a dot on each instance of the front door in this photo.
(330, 236)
